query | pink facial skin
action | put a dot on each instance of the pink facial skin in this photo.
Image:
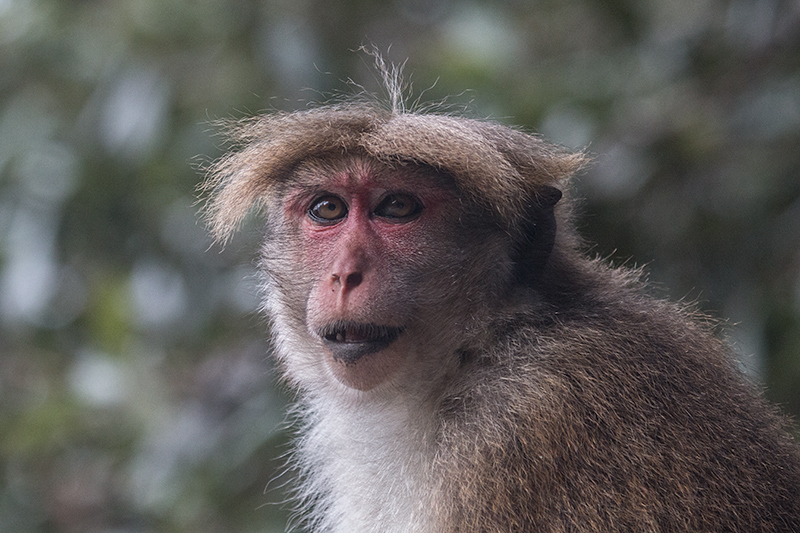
(364, 229)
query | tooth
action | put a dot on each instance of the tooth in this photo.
(340, 337)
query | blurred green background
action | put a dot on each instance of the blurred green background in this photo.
(136, 392)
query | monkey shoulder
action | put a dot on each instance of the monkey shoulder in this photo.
(630, 399)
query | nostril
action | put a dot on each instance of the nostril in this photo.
(353, 280)
(350, 281)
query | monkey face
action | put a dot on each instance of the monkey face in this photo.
(376, 248)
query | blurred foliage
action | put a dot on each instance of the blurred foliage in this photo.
(136, 390)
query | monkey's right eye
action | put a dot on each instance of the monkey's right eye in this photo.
(327, 209)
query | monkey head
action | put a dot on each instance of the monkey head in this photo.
(371, 270)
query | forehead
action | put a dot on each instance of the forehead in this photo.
(359, 171)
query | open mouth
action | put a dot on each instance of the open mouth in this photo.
(350, 341)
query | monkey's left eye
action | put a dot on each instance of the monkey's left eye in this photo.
(327, 209)
(398, 206)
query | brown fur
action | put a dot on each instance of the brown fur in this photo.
(628, 415)
(500, 167)
(578, 403)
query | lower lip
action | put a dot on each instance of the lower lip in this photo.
(350, 353)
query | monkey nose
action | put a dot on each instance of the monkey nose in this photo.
(350, 281)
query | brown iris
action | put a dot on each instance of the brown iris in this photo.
(328, 209)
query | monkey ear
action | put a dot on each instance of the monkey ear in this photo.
(548, 196)
(537, 236)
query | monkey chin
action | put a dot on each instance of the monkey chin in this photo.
(361, 355)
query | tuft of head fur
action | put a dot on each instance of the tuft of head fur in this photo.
(499, 167)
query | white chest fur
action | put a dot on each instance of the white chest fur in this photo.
(369, 467)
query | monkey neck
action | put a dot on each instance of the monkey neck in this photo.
(368, 461)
